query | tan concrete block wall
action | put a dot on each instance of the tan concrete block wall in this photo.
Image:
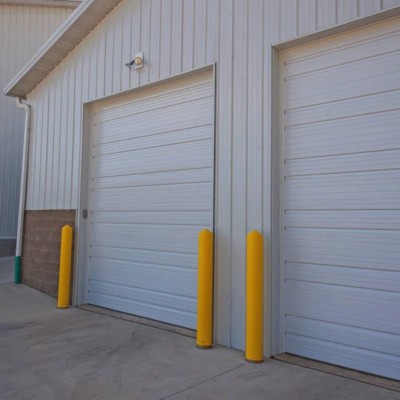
(41, 248)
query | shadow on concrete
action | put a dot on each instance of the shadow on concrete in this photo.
(7, 247)
(6, 269)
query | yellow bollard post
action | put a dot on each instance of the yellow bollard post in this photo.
(205, 290)
(65, 267)
(254, 298)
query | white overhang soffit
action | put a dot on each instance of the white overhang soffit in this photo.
(42, 3)
(63, 40)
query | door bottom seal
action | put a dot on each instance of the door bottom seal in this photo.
(358, 376)
(139, 320)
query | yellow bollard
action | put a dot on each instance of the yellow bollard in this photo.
(205, 290)
(254, 298)
(65, 267)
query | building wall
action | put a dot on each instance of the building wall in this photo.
(178, 36)
(22, 31)
(41, 248)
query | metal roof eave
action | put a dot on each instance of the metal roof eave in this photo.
(63, 40)
(41, 3)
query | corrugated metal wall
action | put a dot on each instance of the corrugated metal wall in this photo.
(177, 36)
(22, 31)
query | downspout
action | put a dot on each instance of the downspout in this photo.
(22, 194)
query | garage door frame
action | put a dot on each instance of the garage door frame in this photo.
(273, 300)
(82, 226)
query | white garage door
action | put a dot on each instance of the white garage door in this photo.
(341, 194)
(152, 193)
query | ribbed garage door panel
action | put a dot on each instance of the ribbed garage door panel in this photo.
(341, 201)
(151, 194)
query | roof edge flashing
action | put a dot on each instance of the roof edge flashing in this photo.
(69, 4)
(19, 86)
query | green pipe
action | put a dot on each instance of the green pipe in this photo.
(17, 271)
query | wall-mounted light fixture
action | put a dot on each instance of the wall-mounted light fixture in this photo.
(137, 61)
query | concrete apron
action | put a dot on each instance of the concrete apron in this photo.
(47, 353)
(291, 359)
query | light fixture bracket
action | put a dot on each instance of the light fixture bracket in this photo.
(137, 61)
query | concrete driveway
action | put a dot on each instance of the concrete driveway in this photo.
(6, 269)
(52, 354)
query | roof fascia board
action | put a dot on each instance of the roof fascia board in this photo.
(75, 27)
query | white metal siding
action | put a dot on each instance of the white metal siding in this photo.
(22, 31)
(152, 193)
(177, 36)
(342, 200)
